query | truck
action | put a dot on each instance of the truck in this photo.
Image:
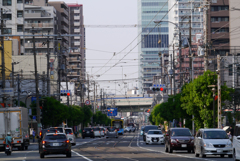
(15, 121)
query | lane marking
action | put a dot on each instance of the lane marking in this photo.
(81, 156)
(169, 153)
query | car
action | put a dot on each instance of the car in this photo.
(128, 129)
(154, 136)
(179, 139)
(55, 143)
(70, 135)
(42, 133)
(236, 143)
(146, 128)
(212, 142)
(141, 132)
(59, 129)
(97, 131)
(88, 132)
(112, 132)
(102, 131)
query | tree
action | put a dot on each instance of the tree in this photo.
(75, 115)
(197, 99)
(87, 115)
(100, 118)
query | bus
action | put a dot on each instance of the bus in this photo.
(118, 123)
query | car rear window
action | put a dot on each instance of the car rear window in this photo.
(181, 132)
(55, 137)
(68, 131)
(154, 132)
(111, 129)
(58, 129)
(87, 129)
(150, 128)
(96, 129)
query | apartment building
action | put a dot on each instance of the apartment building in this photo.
(150, 64)
(76, 59)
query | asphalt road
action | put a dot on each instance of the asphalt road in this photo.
(129, 147)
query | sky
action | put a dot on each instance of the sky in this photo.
(103, 41)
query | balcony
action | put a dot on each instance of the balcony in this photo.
(64, 12)
(77, 31)
(218, 24)
(38, 45)
(76, 37)
(220, 35)
(75, 67)
(39, 25)
(43, 34)
(65, 28)
(74, 59)
(76, 24)
(77, 43)
(65, 20)
(76, 11)
(76, 17)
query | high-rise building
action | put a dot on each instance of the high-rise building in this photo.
(154, 39)
(76, 43)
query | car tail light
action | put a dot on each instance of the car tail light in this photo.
(8, 146)
(67, 141)
(71, 133)
(18, 141)
(83, 131)
(118, 129)
(4, 142)
(99, 131)
(91, 130)
(40, 133)
(55, 134)
(43, 142)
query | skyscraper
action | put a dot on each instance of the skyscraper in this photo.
(154, 39)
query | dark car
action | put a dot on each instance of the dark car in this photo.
(112, 132)
(179, 139)
(55, 143)
(42, 133)
(88, 132)
(146, 128)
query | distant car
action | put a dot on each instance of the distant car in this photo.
(142, 127)
(179, 139)
(236, 143)
(212, 142)
(42, 133)
(112, 132)
(102, 131)
(88, 132)
(128, 129)
(146, 128)
(59, 129)
(154, 136)
(97, 131)
(55, 143)
(70, 135)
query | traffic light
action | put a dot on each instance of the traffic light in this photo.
(158, 87)
(65, 93)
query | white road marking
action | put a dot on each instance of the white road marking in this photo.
(169, 153)
(81, 156)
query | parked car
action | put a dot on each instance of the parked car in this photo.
(236, 143)
(70, 135)
(112, 132)
(102, 130)
(154, 136)
(179, 139)
(59, 129)
(212, 142)
(55, 143)
(142, 127)
(97, 131)
(146, 128)
(88, 132)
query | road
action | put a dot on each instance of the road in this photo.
(129, 147)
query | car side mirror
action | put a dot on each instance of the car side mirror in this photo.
(199, 138)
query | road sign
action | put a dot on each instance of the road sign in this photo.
(7, 91)
(112, 111)
(87, 102)
(34, 117)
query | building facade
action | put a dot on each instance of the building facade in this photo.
(154, 39)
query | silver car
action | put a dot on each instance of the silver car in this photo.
(112, 132)
(212, 142)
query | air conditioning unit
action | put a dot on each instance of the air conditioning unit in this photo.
(200, 51)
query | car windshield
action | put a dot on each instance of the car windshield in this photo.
(181, 132)
(117, 124)
(96, 129)
(111, 129)
(215, 135)
(150, 128)
(68, 131)
(58, 129)
(154, 132)
(55, 137)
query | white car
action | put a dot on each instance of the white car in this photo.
(155, 136)
(102, 131)
(97, 132)
(236, 143)
(70, 136)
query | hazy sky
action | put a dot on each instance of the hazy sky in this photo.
(102, 41)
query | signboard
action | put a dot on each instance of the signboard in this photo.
(7, 91)
(112, 111)
(34, 99)
(65, 91)
(87, 102)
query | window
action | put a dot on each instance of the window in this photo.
(19, 13)
(7, 2)
(7, 16)
(230, 69)
(19, 1)
(217, 30)
(7, 31)
(219, 8)
(19, 28)
(218, 19)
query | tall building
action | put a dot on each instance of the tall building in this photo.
(76, 59)
(150, 64)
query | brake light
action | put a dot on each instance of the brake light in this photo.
(43, 142)
(8, 146)
(83, 131)
(18, 141)
(118, 129)
(4, 142)
(55, 134)
(67, 141)
(99, 131)
(91, 130)
(102, 131)
(71, 133)
(40, 133)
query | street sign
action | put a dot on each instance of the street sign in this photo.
(34, 117)
(87, 102)
(7, 91)
(112, 111)
(34, 99)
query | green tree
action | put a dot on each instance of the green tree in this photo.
(75, 115)
(87, 115)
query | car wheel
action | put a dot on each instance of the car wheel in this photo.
(196, 155)
(73, 144)
(26, 147)
(189, 151)
(202, 155)
(166, 148)
(106, 137)
(230, 156)
(83, 137)
(222, 156)
(41, 155)
(69, 155)
(146, 143)
(170, 149)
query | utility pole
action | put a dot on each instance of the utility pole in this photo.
(3, 58)
(18, 90)
(219, 92)
(180, 58)
(94, 105)
(59, 67)
(67, 83)
(173, 65)
(48, 67)
(36, 79)
(88, 87)
(101, 98)
(190, 45)
(205, 38)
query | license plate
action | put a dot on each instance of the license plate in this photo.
(154, 140)
(184, 145)
(219, 151)
(55, 144)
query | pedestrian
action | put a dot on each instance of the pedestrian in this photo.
(33, 134)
